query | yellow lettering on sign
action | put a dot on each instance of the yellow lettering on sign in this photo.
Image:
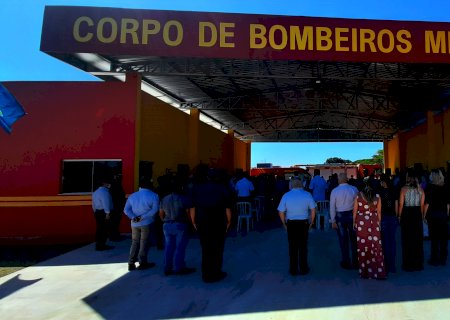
(385, 36)
(323, 39)
(150, 27)
(101, 30)
(402, 37)
(340, 39)
(178, 31)
(299, 41)
(354, 40)
(129, 26)
(224, 34)
(284, 37)
(435, 43)
(76, 29)
(202, 27)
(258, 38)
(367, 37)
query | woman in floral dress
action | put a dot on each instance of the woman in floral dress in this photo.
(367, 217)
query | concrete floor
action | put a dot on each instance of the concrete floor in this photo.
(85, 284)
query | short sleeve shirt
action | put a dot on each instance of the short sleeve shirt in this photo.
(296, 204)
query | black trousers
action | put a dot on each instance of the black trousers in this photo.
(438, 229)
(412, 239)
(114, 224)
(101, 232)
(297, 231)
(212, 241)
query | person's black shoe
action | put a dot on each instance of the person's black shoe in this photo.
(346, 265)
(433, 263)
(131, 267)
(104, 248)
(217, 278)
(168, 272)
(304, 271)
(146, 265)
(294, 273)
(185, 271)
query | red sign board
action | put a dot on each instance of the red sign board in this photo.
(241, 36)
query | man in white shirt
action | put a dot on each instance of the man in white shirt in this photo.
(102, 206)
(141, 208)
(341, 213)
(297, 211)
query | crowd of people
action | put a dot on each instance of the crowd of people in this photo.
(364, 212)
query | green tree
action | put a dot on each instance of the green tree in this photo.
(377, 158)
(336, 160)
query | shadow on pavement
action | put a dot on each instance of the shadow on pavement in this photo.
(258, 281)
(15, 284)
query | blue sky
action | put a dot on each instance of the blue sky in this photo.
(21, 60)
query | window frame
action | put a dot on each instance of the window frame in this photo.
(92, 182)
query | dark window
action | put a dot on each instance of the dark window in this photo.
(83, 176)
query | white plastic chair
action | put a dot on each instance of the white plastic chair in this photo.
(323, 210)
(244, 212)
(257, 208)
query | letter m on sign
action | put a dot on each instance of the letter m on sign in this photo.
(10, 109)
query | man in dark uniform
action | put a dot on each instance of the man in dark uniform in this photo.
(211, 216)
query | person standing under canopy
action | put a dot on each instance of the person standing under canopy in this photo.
(174, 213)
(367, 218)
(389, 222)
(141, 207)
(102, 205)
(411, 214)
(341, 215)
(319, 186)
(211, 216)
(244, 188)
(437, 205)
(297, 211)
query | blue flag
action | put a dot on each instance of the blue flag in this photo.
(10, 109)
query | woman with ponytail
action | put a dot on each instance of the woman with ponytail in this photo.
(367, 217)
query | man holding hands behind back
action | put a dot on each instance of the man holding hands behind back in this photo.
(141, 208)
(294, 210)
(341, 213)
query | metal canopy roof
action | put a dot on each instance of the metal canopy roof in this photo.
(271, 100)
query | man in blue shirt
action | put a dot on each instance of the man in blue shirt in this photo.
(319, 186)
(297, 211)
(141, 208)
(244, 188)
(102, 206)
(341, 215)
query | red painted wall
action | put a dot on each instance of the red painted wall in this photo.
(65, 120)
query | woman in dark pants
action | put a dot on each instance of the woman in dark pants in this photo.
(389, 222)
(436, 213)
(411, 209)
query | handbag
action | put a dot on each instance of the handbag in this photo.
(426, 233)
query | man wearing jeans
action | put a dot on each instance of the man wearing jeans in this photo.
(141, 208)
(174, 213)
(341, 213)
